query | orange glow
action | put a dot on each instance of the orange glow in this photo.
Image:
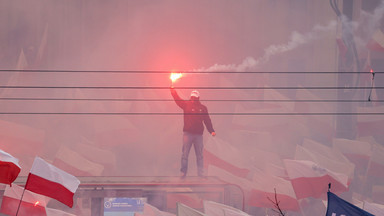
(36, 203)
(175, 76)
(371, 70)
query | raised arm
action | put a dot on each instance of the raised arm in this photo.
(180, 102)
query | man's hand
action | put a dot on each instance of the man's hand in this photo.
(213, 133)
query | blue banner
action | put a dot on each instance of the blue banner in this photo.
(123, 205)
(340, 207)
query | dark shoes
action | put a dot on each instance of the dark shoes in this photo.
(183, 175)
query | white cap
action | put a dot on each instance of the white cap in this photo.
(195, 93)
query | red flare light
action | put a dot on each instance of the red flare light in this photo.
(175, 76)
(371, 71)
(36, 203)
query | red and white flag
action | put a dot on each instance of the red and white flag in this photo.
(311, 180)
(373, 208)
(31, 205)
(377, 41)
(228, 164)
(260, 188)
(20, 139)
(56, 212)
(51, 181)
(184, 210)
(73, 162)
(376, 163)
(369, 125)
(192, 199)
(150, 210)
(217, 209)
(9, 168)
(264, 189)
(358, 152)
(225, 156)
(325, 156)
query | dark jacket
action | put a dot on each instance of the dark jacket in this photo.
(195, 114)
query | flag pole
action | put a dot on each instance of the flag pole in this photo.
(20, 202)
(22, 195)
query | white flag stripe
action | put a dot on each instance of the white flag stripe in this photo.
(299, 168)
(77, 161)
(352, 146)
(150, 210)
(374, 208)
(184, 210)
(303, 153)
(52, 173)
(56, 212)
(6, 157)
(217, 209)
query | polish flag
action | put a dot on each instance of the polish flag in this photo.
(221, 154)
(329, 158)
(261, 188)
(56, 212)
(50, 181)
(230, 165)
(9, 168)
(31, 205)
(150, 210)
(193, 200)
(377, 41)
(96, 154)
(184, 210)
(264, 189)
(369, 125)
(217, 209)
(376, 164)
(358, 152)
(311, 180)
(20, 139)
(73, 162)
(373, 208)
(303, 153)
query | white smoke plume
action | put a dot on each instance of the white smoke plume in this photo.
(297, 39)
(369, 23)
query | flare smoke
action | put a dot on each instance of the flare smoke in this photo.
(297, 39)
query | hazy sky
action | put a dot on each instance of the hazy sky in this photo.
(198, 35)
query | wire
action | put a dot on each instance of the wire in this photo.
(169, 114)
(195, 87)
(168, 72)
(203, 100)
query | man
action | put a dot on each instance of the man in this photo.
(195, 114)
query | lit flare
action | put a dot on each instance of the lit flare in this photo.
(36, 203)
(175, 76)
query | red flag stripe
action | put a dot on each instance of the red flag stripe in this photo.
(260, 199)
(8, 172)
(48, 188)
(211, 159)
(315, 186)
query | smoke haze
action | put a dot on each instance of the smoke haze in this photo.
(134, 128)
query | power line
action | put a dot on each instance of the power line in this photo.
(203, 100)
(198, 87)
(186, 72)
(170, 114)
